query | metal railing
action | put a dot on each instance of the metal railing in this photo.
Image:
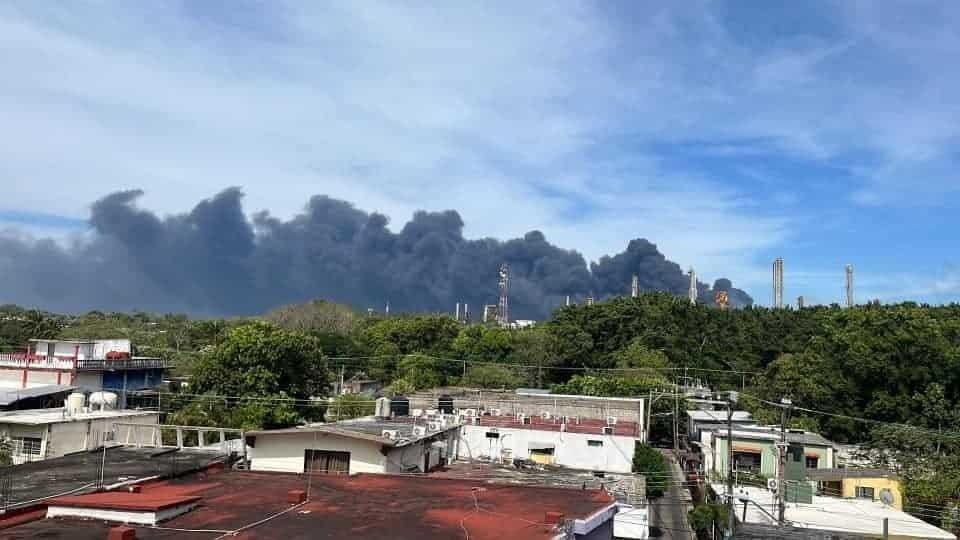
(24, 361)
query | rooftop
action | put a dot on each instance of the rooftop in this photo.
(718, 416)
(772, 433)
(35, 417)
(848, 472)
(81, 471)
(584, 425)
(367, 428)
(357, 507)
(9, 396)
(858, 516)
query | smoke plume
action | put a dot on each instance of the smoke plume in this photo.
(213, 261)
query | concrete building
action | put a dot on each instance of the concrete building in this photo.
(35, 435)
(90, 365)
(712, 420)
(368, 445)
(536, 402)
(846, 518)
(755, 451)
(857, 483)
(578, 443)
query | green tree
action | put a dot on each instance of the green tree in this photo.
(421, 371)
(650, 462)
(346, 406)
(490, 376)
(259, 359)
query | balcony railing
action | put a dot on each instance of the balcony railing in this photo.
(22, 360)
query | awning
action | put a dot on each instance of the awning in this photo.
(11, 396)
(747, 450)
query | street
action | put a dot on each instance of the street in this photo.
(668, 514)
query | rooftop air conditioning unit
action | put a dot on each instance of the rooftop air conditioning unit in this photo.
(611, 420)
(391, 434)
(434, 426)
(545, 415)
(419, 431)
(495, 412)
(469, 412)
(416, 413)
(607, 430)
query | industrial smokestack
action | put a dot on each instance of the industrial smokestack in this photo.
(849, 287)
(692, 290)
(635, 286)
(778, 283)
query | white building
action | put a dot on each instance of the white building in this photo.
(38, 434)
(369, 445)
(589, 444)
(702, 419)
(850, 516)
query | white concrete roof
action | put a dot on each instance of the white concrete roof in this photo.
(56, 416)
(718, 416)
(859, 516)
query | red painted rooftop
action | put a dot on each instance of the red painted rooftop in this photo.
(586, 425)
(346, 507)
(160, 498)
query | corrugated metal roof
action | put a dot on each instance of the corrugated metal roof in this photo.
(9, 396)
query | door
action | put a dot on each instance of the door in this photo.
(326, 462)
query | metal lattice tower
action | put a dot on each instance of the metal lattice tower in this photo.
(635, 286)
(692, 290)
(849, 287)
(778, 283)
(503, 308)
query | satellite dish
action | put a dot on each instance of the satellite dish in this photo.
(886, 497)
(772, 484)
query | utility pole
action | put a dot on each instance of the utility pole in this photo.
(731, 399)
(676, 422)
(781, 487)
(340, 390)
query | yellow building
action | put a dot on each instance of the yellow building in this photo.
(857, 483)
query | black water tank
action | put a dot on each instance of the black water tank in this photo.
(399, 406)
(445, 404)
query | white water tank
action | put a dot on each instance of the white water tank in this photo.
(103, 401)
(75, 403)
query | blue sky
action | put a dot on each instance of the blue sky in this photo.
(728, 133)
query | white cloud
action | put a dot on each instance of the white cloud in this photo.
(517, 115)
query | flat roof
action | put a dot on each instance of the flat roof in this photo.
(772, 433)
(9, 396)
(859, 516)
(356, 507)
(80, 472)
(367, 428)
(591, 426)
(35, 417)
(849, 472)
(718, 416)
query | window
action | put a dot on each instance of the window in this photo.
(746, 462)
(26, 446)
(864, 492)
(595, 444)
(812, 462)
(325, 461)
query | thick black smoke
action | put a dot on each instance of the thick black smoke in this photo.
(214, 261)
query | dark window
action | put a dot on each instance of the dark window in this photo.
(27, 446)
(746, 462)
(812, 462)
(594, 443)
(493, 435)
(865, 492)
(326, 462)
